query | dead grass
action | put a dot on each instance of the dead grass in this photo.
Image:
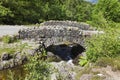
(113, 62)
(85, 70)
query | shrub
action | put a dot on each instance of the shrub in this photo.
(104, 45)
(12, 76)
(37, 69)
(9, 39)
(83, 61)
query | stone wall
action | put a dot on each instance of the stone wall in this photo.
(81, 25)
(52, 32)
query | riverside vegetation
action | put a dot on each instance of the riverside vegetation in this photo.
(102, 50)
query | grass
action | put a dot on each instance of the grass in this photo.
(97, 78)
(8, 39)
(7, 50)
(85, 70)
(12, 48)
(113, 62)
(0, 38)
(37, 69)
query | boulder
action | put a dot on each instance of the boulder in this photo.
(52, 57)
(11, 63)
(19, 58)
(5, 64)
(64, 70)
(5, 56)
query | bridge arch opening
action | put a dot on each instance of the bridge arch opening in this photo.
(66, 51)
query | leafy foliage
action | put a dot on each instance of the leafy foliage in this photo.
(106, 12)
(83, 61)
(17, 11)
(8, 50)
(37, 69)
(109, 8)
(35, 11)
(105, 45)
(9, 39)
(11, 49)
(4, 11)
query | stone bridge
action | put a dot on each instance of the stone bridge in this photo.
(63, 38)
(55, 32)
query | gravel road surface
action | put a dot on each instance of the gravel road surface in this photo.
(10, 30)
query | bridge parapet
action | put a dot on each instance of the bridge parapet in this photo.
(52, 32)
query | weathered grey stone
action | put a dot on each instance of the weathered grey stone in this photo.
(50, 54)
(5, 56)
(1, 66)
(31, 52)
(5, 64)
(86, 77)
(19, 58)
(64, 71)
(52, 32)
(11, 63)
(18, 55)
(67, 23)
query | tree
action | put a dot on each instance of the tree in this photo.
(4, 12)
(35, 11)
(109, 8)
